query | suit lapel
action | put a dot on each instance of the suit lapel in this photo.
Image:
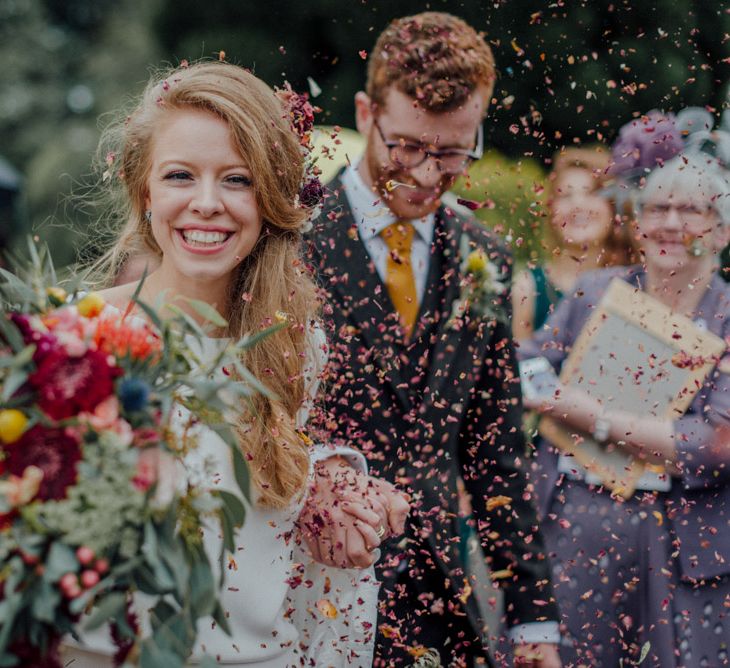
(447, 337)
(360, 293)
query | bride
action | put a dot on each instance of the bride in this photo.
(209, 168)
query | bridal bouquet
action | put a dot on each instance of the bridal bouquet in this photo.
(88, 396)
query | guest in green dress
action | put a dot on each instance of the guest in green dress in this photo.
(583, 235)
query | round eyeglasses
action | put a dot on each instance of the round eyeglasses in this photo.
(452, 161)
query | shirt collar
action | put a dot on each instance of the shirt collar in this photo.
(371, 214)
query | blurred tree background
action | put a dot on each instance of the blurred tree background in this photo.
(570, 72)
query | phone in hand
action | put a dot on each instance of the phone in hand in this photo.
(538, 379)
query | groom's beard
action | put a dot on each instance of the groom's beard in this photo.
(400, 191)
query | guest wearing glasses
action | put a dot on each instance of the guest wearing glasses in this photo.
(424, 378)
(652, 570)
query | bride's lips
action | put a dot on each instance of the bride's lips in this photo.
(208, 249)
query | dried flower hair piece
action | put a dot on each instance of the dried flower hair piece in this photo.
(300, 112)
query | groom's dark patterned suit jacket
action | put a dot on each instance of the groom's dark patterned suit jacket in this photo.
(442, 405)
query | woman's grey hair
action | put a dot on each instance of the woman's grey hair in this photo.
(691, 175)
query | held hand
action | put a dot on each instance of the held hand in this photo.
(384, 500)
(348, 514)
(537, 655)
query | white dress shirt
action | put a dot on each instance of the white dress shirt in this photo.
(372, 216)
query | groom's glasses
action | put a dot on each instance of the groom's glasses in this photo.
(452, 161)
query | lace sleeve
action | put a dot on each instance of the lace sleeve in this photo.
(315, 362)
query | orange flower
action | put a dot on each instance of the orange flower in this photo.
(115, 337)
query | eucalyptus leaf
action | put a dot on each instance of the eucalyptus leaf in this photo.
(152, 315)
(20, 359)
(220, 618)
(138, 288)
(164, 575)
(151, 656)
(161, 613)
(234, 507)
(241, 471)
(203, 589)
(254, 383)
(207, 312)
(45, 601)
(111, 605)
(21, 291)
(249, 342)
(13, 382)
(13, 600)
(175, 635)
(189, 321)
(12, 334)
(61, 560)
(146, 581)
(229, 544)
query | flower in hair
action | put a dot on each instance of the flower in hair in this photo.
(312, 193)
(301, 119)
(301, 112)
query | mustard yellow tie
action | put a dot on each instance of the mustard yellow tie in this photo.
(399, 273)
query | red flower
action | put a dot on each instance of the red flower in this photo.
(71, 385)
(53, 451)
(31, 656)
(123, 643)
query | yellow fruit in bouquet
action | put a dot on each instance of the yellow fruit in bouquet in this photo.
(12, 425)
(57, 296)
(91, 305)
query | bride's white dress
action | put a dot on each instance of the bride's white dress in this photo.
(272, 588)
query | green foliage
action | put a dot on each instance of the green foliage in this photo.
(556, 60)
(569, 71)
(512, 193)
(142, 536)
(64, 63)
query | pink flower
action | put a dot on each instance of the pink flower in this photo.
(71, 331)
(145, 436)
(148, 464)
(20, 490)
(106, 418)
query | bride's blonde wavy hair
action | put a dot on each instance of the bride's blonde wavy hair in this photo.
(273, 278)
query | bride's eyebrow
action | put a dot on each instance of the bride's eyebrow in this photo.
(187, 165)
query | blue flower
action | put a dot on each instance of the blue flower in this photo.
(134, 394)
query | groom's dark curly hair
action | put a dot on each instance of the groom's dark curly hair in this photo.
(433, 57)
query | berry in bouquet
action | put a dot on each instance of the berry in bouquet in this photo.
(92, 506)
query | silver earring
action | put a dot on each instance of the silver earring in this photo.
(148, 216)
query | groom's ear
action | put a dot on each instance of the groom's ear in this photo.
(363, 113)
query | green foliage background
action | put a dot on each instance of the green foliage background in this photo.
(571, 71)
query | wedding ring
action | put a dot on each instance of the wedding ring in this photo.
(380, 532)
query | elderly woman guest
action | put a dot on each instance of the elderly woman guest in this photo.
(212, 170)
(655, 567)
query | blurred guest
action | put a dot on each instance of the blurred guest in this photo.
(581, 237)
(653, 568)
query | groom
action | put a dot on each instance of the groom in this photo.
(423, 381)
